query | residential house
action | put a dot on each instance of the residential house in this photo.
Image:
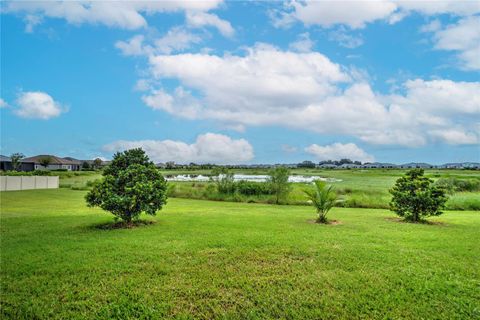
(327, 166)
(374, 165)
(413, 165)
(56, 163)
(464, 165)
(348, 166)
(6, 164)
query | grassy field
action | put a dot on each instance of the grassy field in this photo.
(359, 188)
(205, 259)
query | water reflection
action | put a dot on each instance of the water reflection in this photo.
(246, 177)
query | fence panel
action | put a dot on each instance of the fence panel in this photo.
(12, 183)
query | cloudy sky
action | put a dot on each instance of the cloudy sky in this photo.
(242, 82)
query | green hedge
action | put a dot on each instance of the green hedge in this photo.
(26, 173)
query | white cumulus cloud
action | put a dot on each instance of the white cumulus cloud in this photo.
(203, 19)
(208, 148)
(308, 91)
(337, 151)
(37, 105)
(343, 38)
(455, 136)
(462, 37)
(354, 14)
(119, 14)
(357, 14)
(303, 43)
(177, 39)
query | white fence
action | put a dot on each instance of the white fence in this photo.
(11, 183)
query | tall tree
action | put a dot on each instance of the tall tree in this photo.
(15, 158)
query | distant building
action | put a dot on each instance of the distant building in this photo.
(374, 165)
(327, 166)
(6, 164)
(471, 165)
(413, 165)
(349, 166)
(463, 165)
(56, 163)
(379, 165)
(91, 163)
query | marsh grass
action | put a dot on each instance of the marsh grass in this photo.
(358, 188)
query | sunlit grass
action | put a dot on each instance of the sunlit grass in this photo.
(204, 259)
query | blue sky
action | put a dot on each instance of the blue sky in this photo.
(242, 82)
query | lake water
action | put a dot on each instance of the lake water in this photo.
(247, 177)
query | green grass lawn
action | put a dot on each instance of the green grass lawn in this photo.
(204, 259)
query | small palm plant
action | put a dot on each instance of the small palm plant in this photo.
(323, 199)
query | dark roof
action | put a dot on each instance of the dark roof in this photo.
(5, 158)
(417, 164)
(54, 159)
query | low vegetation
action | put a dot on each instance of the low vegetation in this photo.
(453, 185)
(323, 199)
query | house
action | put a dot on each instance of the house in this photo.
(374, 165)
(386, 165)
(327, 166)
(55, 163)
(349, 166)
(91, 163)
(463, 165)
(471, 165)
(6, 164)
(413, 165)
(451, 166)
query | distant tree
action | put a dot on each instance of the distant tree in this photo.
(323, 199)
(278, 180)
(306, 164)
(131, 185)
(85, 165)
(224, 180)
(15, 158)
(414, 196)
(170, 165)
(345, 161)
(325, 162)
(97, 163)
(45, 161)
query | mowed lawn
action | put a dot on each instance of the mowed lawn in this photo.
(207, 260)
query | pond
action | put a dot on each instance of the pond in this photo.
(246, 177)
